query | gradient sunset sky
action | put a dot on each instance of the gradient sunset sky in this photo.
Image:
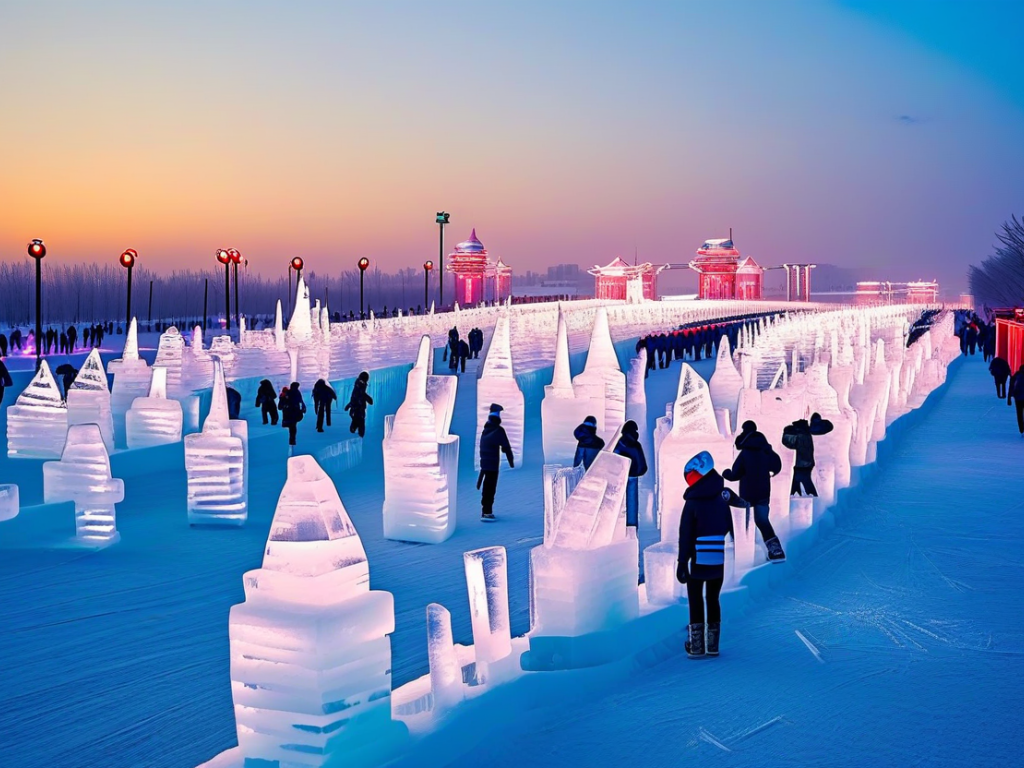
(881, 135)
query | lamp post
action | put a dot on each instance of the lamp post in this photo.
(441, 220)
(427, 266)
(296, 263)
(37, 250)
(363, 264)
(224, 257)
(127, 260)
(236, 259)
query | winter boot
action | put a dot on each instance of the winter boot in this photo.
(714, 630)
(695, 645)
(775, 553)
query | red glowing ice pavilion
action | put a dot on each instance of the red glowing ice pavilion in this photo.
(612, 280)
(477, 279)
(723, 274)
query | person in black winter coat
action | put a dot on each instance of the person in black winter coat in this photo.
(234, 403)
(493, 442)
(705, 523)
(755, 466)
(323, 397)
(5, 379)
(1000, 370)
(3, 345)
(799, 437)
(293, 408)
(476, 342)
(463, 354)
(630, 447)
(266, 401)
(1015, 392)
(588, 444)
(356, 406)
(452, 345)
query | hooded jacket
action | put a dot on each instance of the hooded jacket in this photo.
(754, 467)
(323, 393)
(359, 400)
(494, 441)
(292, 406)
(629, 446)
(588, 445)
(1016, 388)
(266, 395)
(999, 368)
(705, 523)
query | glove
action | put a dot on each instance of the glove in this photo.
(681, 573)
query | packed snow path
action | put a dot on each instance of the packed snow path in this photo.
(896, 640)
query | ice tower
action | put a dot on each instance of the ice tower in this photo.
(89, 399)
(37, 423)
(131, 380)
(602, 379)
(562, 410)
(154, 420)
(497, 384)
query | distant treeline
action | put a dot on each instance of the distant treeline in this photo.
(999, 280)
(90, 293)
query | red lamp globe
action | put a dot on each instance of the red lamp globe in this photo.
(236, 255)
(364, 263)
(36, 249)
(428, 265)
(297, 263)
(223, 256)
(127, 259)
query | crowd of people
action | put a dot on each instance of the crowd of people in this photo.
(63, 341)
(289, 406)
(975, 334)
(458, 350)
(694, 341)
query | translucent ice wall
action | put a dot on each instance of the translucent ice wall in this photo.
(9, 501)
(217, 464)
(310, 652)
(562, 409)
(497, 384)
(726, 382)
(89, 399)
(420, 464)
(636, 409)
(487, 584)
(131, 380)
(37, 423)
(83, 476)
(154, 420)
(602, 380)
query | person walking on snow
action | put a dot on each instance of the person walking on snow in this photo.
(493, 442)
(1015, 392)
(1000, 370)
(5, 379)
(799, 437)
(293, 408)
(630, 447)
(463, 354)
(323, 397)
(705, 523)
(755, 466)
(357, 403)
(266, 401)
(588, 444)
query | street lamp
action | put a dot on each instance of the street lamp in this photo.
(224, 257)
(36, 249)
(427, 266)
(363, 264)
(236, 259)
(296, 264)
(441, 220)
(127, 260)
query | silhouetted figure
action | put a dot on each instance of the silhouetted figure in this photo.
(799, 437)
(630, 447)
(463, 354)
(357, 403)
(493, 442)
(266, 401)
(588, 443)
(1015, 392)
(67, 373)
(293, 408)
(5, 379)
(754, 468)
(3, 345)
(1000, 370)
(234, 403)
(323, 397)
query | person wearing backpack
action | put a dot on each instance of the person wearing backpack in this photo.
(293, 408)
(755, 466)
(1015, 392)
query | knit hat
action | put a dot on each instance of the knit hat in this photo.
(591, 420)
(630, 428)
(749, 426)
(697, 467)
(496, 410)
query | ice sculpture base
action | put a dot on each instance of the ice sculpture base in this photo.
(660, 561)
(9, 503)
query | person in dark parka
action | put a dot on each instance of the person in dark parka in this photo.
(755, 466)
(493, 442)
(3, 345)
(1000, 370)
(5, 379)
(266, 401)
(357, 403)
(463, 354)
(324, 397)
(705, 523)
(1015, 392)
(799, 437)
(293, 408)
(630, 447)
(588, 444)
(234, 403)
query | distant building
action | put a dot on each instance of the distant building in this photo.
(798, 281)
(477, 279)
(620, 281)
(722, 275)
(886, 292)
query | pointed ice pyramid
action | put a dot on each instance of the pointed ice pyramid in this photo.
(37, 423)
(91, 375)
(726, 382)
(89, 399)
(497, 384)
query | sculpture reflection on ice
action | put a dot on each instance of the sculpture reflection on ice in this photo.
(37, 423)
(602, 380)
(217, 464)
(562, 408)
(83, 476)
(421, 459)
(89, 399)
(154, 420)
(310, 652)
(131, 380)
(497, 384)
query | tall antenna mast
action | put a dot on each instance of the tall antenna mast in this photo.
(730, 234)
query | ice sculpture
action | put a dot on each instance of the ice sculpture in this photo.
(584, 577)
(83, 476)
(300, 328)
(602, 379)
(562, 410)
(279, 344)
(487, 583)
(154, 420)
(37, 423)
(559, 483)
(131, 380)
(217, 464)
(497, 384)
(170, 355)
(421, 459)
(446, 686)
(726, 382)
(831, 450)
(9, 503)
(89, 399)
(199, 369)
(310, 652)
(636, 407)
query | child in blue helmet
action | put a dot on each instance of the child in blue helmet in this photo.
(706, 522)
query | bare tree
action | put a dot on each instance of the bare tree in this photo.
(999, 280)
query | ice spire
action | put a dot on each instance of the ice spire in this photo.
(561, 380)
(219, 415)
(278, 328)
(197, 340)
(299, 327)
(131, 342)
(601, 353)
(158, 384)
(91, 377)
